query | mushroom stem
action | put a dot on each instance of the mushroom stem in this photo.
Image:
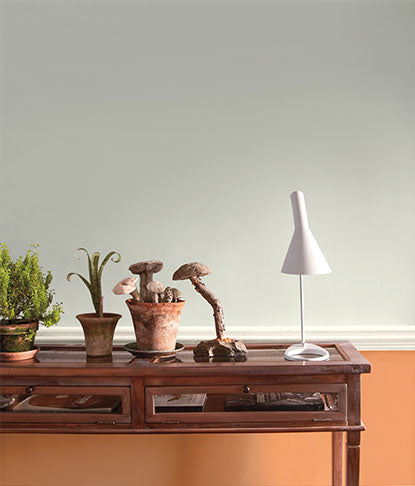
(135, 295)
(143, 283)
(214, 302)
(145, 278)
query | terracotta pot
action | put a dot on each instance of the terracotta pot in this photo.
(155, 325)
(16, 337)
(99, 332)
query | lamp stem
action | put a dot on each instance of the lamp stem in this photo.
(302, 309)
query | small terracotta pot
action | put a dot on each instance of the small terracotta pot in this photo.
(155, 325)
(16, 337)
(99, 332)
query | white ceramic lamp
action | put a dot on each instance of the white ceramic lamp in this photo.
(304, 257)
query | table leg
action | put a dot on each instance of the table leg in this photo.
(353, 458)
(337, 458)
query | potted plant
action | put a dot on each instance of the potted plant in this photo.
(98, 326)
(155, 309)
(25, 301)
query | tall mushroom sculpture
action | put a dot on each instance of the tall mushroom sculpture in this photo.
(221, 346)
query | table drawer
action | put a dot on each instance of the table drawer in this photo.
(312, 403)
(65, 404)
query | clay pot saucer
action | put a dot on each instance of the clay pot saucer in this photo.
(141, 353)
(20, 355)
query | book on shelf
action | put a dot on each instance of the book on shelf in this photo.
(194, 402)
(62, 403)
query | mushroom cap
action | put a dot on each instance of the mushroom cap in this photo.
(126, 286)
(155, 287)
(148, 266)
(193, 269)
(176, 293)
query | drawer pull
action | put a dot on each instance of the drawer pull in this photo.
(247, 389)
(29, 390)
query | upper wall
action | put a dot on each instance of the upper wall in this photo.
(177, 131)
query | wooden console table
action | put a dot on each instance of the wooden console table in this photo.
(129, 394)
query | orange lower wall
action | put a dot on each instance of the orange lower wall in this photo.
(388, 448)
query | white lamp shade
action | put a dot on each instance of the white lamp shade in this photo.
(304, 256)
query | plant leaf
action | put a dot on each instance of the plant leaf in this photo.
(68, 278)
(105, 260)
(96, 291)
(94, 266)
(89, 260)
(80, 249)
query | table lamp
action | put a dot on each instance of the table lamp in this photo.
(304, 257)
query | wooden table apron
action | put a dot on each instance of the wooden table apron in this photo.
(65, 370)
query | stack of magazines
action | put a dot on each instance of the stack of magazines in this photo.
(194, 402)
(274, 402)
(69, 403)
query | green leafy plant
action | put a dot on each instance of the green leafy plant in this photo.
(95, 274)
(25, 293)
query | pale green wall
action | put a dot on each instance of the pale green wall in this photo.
(178, 131)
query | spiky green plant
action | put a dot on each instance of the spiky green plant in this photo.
(95, 274)
(24, 289)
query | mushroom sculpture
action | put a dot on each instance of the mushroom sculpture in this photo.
(146, 270)
(168, 295)
(221, 346)
(156, 290)
(155, 311)
(177, 295)
(127, 286)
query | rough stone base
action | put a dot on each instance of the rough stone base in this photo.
(220, 348)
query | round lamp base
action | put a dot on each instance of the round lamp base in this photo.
(306, 352)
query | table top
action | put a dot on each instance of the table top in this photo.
(262, 358)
